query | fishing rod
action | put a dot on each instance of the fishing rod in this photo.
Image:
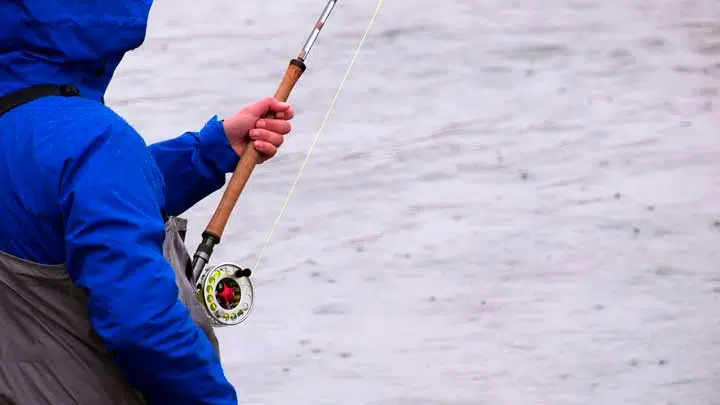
(225, 290)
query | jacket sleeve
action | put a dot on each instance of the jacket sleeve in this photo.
(194, 165)
(110, 197)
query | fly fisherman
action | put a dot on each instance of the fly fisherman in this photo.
(93, 305)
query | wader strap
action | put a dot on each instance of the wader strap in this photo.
(27, 94)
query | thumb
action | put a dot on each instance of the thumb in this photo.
(261, 108)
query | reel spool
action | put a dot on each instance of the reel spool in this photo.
(226, 293)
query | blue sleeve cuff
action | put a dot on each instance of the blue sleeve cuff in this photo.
(215, 148)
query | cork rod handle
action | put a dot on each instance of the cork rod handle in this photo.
(249, 159)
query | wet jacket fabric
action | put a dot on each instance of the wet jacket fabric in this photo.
(82, 191)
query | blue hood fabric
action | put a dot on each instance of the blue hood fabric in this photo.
(81, 187)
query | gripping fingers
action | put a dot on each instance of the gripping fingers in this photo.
(281, 127)
(267, 136)
(266, 149)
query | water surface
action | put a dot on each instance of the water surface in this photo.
(514, 202)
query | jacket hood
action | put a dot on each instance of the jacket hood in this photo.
(74, 41)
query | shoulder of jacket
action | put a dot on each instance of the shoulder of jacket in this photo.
(73, 114)
(65, 131)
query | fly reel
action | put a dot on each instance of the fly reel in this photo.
(226, 293)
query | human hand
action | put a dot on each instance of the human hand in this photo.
(250, 123)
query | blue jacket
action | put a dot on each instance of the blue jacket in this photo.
(81, 187)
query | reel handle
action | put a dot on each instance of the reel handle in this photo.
(248, 161)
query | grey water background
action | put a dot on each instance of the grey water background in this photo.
(514, 202)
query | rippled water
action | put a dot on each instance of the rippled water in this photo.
(514, 202)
